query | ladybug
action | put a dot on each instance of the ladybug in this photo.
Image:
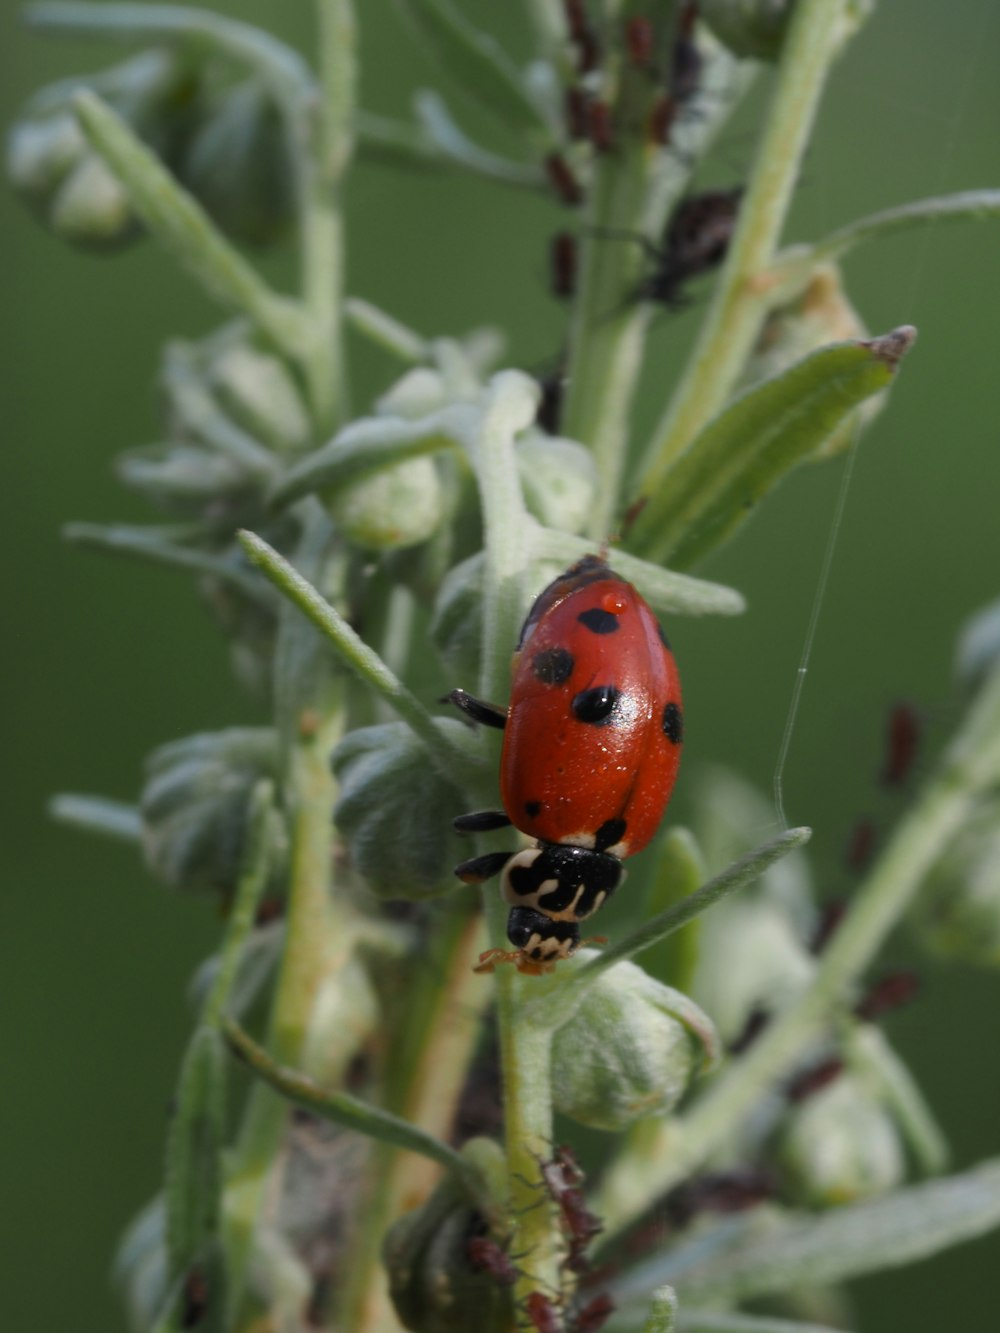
(592, 743)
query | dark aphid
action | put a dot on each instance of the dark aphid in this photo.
(756, 1021)
(194, 1298)
(860, 846)
(576, 112)
(831, 915)
(594, 1315)
(582, 35)
(890, 992)
(562, 180)
(733, 1191)
(488, 1256)
(902, 743)
(600, 126)
(550, 405)
(814, 1079)
(563, 257)
(639, 42)
(682, 78)
(696, 241)
(543, 1313)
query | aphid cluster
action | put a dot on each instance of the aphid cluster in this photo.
(592, 744)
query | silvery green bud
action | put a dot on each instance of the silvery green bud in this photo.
(258, 392)
(60, 176)
(559, 480)
(194, 807)
(822, 314)
(434, 1286)
(140, 1266)
(238, 165)
(978, 651)
(395, 507)
(395, 810)
(630, 1050)
(957, 913)
(841, 1144)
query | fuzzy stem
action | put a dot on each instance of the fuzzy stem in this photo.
(738, 308)
(322, 221)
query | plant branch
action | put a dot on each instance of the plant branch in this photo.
(738, 307)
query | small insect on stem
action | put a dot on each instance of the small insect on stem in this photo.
(903, 737)
(639, 42)
(814, 1079)
(562, 180)
(563, 263)
(489, 1256)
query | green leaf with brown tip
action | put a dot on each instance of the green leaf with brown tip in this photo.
(745, 451)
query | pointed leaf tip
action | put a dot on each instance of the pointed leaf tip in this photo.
(892, 346)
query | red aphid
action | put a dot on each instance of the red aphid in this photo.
(861, 846)
(563, 263)
(888, 993)
(542, 1312)
(814, 1079)
(576, 112)
(639, 42)
(562, 180)
(594, 1315)
(902, 743)
(487, 1256)
(600, 126)
(831, 915)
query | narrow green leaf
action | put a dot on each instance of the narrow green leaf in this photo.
(97, 814)
(358, 657)
(557, 1005)
(666, 591)
(679, 871)
(662, 1317)
(387, 331)
(194, 1151)
(746, 450)
(965, 206)
(370, 444)
(451, 141)
(848, 1242)
(895, 1085)
(478, 64)
(149, 544)
(283, 70)
(180, 223)
(341, 1108)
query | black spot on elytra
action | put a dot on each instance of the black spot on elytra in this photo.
(673, 723)
(552, 665)
(610, 832)
(532, 808)
(663, 638)
(598, 621)
(595, 705)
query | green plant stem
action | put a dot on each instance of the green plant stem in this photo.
(970, 766)
(322, 220)
(738, 307)
(312, 922)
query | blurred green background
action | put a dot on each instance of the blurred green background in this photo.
(106, 660)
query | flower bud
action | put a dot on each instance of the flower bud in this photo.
(821, 314)
(51, 164)
(258, 392)
(978, 651)
(194, 807)
(434, 1286)
(239, 167)
(630, 1050)
(559, 480)
(140, 1266)
(395, 810)
(957, 914)
(395, 507)
(841, 1144)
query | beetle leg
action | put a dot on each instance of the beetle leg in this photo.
(480, 821)
(481, 868)
(488, 714)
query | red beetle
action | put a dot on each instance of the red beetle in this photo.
(592, 743)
